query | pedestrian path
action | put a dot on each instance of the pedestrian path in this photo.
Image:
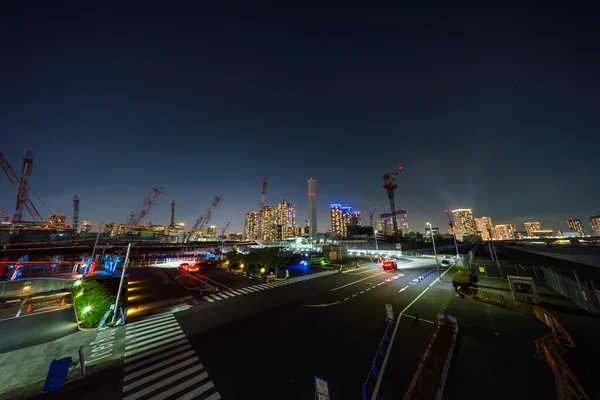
(160, 363)
(227, 294)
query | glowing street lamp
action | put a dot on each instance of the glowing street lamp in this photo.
(437, 265)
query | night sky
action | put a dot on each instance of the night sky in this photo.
(494, 109)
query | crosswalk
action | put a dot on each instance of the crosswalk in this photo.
(227, 294)
(160, 363)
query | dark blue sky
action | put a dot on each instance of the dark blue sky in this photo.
(495, 109)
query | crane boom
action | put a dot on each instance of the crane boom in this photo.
(23, 200)
(204, 219)
(5, 215)
(371, 216)
(135, 218)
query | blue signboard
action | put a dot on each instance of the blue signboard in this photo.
(57, 374)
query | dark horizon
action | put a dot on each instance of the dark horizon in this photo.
(486, 107)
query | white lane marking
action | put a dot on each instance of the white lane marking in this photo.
(154, 338)
(389, 350)
(237, 292)
(159, 350)
(214, 396)
(244, 291)
(360, 280)
(159, 365)
(420, 319)
(223, 295)
(322, 305)
(160, 373)
(158, 357)
(231, 294)
(150, 329)
(152, 322)
(12, 301)
(153, 345)
(209, 299)
(346, 298)
(362, 292)
(158, 385)
(403, 289)
(411, 283)
(216, 296)
(354, 295)
(197, 391)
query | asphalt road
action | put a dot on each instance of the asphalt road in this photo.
(271, 343)
(36, 328)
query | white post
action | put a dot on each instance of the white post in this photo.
(96, 244)
(376, 246)
(437, 264)
(121, 283)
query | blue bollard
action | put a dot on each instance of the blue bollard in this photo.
(374, 369)
(365, 396)
(381, 351)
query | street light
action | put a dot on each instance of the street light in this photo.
(376, 246)
(437, 265)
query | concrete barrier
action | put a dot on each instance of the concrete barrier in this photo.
(26, 287)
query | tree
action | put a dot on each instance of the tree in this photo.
(272, 258)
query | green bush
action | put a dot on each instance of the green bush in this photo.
(91, 300)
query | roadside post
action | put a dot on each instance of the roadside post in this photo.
(321, 389)
(82, 362)
(121, 283)
(389, 312)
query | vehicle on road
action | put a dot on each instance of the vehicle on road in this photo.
(187, 267)
(389, 265)
(445, 263)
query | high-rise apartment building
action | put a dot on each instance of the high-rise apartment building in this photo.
(312, 208)
(485, 227)
(108, 228)
(357, 218)
(531, 227)
(212, 230)
(505, 231)
(575, 225)
(286, 220)
(464, 223)
(402, 220)
(347, 217)
(268, 223)
(337, 221)
(85, 227)
(251, 225)
(595, 222)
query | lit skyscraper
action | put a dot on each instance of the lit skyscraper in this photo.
(575, 225)
(347, 217)
(250, 225)
(484, 227)
(531, 227)
(505, 231)
(286, 219)
(595, 222)
(357, 218)
(268, 223)
(312, 208)
(464, 223)
(402, 220)
(212, 230)
(336, 219)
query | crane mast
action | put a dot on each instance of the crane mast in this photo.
(5, 215)
(75, 213)
(22, 184)
(204, 219)
(390, 186)
(371, 216)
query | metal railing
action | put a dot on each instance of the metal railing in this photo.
(586, 297)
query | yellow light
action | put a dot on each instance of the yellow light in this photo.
(26, 288)
(79, 294)
(87, 309)
(262, 270)
(77, 282)
(242, 266)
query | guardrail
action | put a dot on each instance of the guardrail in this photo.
(380, 352)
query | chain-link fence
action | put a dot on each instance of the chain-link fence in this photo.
(586, 297)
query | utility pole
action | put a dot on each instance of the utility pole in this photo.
(115, 311)
(451, 223)
(437, 264)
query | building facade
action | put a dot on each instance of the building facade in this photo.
(286, 220)
(505, 231)
(268, 223)
(357, 218)
(312, 208)
(337, 221)
(212, 230)
(484, 226)
(531, 227)
(575, 225)
(464, 223)
(595, 222)
(251, 225)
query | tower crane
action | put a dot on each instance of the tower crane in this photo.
(204, 219)
(389, 185)
(22, 184)
(135, 218)
(75, 213)
(260, 208)
(5, 215)
(371, 216)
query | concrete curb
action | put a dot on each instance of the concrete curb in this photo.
(440, 390)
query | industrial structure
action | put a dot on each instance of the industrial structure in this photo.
(22, 185)
(371, 216)
(136, 218)
(390, 186)
(312, 208)
(203, 220)
(75, 223)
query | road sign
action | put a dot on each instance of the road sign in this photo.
(82, 362)
(57, 374)
(389, 311)
(399, 246)
(321, 389)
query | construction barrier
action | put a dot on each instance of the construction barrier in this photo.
(373, 370)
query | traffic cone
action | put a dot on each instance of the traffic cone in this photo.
(62, 303)
(28, 308)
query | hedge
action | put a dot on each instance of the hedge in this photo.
(93, 294)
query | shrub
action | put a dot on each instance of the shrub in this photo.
(91, 300)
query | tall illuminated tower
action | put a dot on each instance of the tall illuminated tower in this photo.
(575, 225)
(337, 220)
(464, 223)
(312, 208)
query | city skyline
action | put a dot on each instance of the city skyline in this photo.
(209, 100)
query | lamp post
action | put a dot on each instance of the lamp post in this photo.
(376, 246)
(437, 265)
(115, 311)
